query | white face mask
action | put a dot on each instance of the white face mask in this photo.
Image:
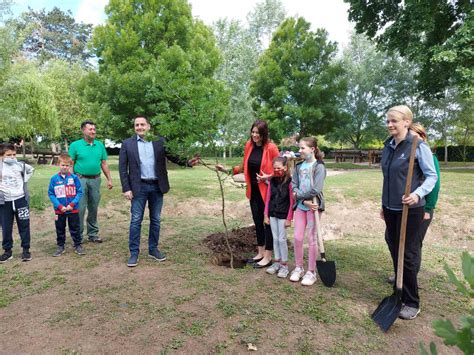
(9, 160)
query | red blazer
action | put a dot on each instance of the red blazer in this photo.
(270, 151)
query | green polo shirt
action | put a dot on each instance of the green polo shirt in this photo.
(87, 157)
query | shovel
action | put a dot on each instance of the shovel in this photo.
(389, 309)
(326, 268)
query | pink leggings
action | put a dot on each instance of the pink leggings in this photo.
(303, 220)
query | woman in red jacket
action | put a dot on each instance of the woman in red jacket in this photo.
(258, 157)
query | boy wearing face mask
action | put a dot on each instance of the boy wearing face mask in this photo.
(14, 201)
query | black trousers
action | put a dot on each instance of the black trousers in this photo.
(425, 224)
(20, 211)
(412, 255)
(72, 220)
(257, 206)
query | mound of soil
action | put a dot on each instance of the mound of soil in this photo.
(242, 242)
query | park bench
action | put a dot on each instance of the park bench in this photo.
(356, 155)
(374, 156)
(46, 156)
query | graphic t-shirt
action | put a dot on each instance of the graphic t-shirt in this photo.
(305, 176)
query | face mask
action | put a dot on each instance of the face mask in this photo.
(278, 173)
(10, 160)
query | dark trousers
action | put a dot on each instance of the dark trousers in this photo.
(425, 224)
(412, 255)
(19, 210)
(152, 194)
(264, 232)
(72, 219)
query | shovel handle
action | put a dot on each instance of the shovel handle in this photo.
(403, 229)
(318, 232)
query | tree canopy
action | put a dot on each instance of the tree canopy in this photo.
(27, 106)
(156, 60)
(53, 35)
(436, 34)
(376, 81)
(297, 85)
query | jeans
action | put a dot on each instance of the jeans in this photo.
(154, 196)
(72, 220)
(280, 247)
(19, 210)
(90, 200)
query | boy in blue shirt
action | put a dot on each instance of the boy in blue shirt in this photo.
(65, 192)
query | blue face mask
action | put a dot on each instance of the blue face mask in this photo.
(9, 161)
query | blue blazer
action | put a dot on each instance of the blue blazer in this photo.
(129, 165)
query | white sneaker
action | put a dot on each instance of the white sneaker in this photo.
(296, 274)
(283, 272)
(272, 270)
(309, 278)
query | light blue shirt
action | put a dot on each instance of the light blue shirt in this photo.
(426, 163)
(147, 159)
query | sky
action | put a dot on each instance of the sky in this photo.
(328, 14)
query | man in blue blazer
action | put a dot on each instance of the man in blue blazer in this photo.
(143, 174)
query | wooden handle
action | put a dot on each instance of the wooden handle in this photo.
(318, 231)
(403, 229)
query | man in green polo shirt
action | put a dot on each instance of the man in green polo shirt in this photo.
(89, 157)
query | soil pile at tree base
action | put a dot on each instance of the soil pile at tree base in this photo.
(243, 243)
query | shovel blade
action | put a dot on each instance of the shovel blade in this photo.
(327, 272)
(387, 311)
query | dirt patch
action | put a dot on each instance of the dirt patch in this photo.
(242, 243)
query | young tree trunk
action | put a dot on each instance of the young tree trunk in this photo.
(221, 186)
(66, 145)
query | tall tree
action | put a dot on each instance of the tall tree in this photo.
(436, 34)
(156, 60)
(8, 43)
(53, 34)
(442, 114)
(27, 106)
(376, 81)
(265, 18)
(298, 85)
(240, 54)
(464, 126)
(63, 80)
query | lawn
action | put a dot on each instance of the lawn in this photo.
(95, 304)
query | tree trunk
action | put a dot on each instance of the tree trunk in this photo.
(23, 148)
(230, 151)
(446, 150)
(66, 145)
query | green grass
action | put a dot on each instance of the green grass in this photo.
(187, 305)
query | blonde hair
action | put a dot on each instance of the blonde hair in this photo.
(65, 158)
(401, 112)
(419, 129)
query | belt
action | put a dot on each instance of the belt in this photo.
(88, 176)
(149, 182)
